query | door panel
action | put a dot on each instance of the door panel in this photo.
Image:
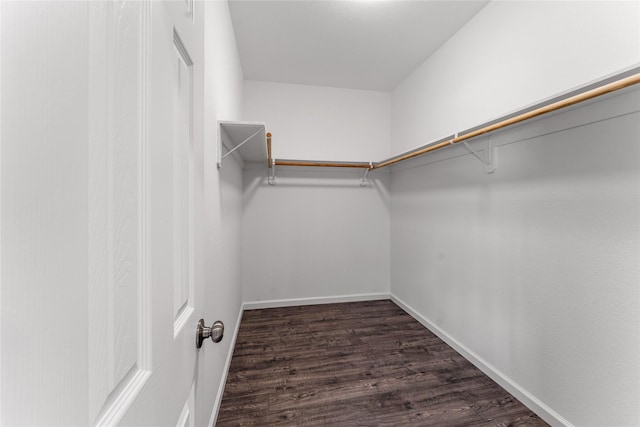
(101, 158)
(115, 233)
(182, 183)
(186, 418)
(169, 215)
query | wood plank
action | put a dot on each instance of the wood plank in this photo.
(356, 364)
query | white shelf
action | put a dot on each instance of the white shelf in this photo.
(246, 141)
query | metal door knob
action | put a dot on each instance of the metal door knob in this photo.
(215, 332)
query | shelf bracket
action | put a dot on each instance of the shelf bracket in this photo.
(238, 146)
(364, 182)
(490, 161)
(271, 178)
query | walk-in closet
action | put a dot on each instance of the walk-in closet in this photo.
(320, 213)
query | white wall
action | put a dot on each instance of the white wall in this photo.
(531, 272)
(223, 204)
(316, 234)
(321, 123)
(511, 55)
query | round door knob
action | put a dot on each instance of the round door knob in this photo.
(215, 332)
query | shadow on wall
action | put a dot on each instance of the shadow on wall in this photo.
(561, 146)
(322, 178)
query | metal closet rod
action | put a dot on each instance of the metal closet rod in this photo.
(322, 164)
(554, 106)
(311, 163)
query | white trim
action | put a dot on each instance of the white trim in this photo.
(530, 401)
(144, 290)
(182, 318)
(0, 217)
(255, 305)
(186, 411)
(225, 371)
(124, 400)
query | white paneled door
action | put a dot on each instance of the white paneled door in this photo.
(101, 212)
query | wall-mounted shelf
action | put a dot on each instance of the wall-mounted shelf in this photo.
(246, 141)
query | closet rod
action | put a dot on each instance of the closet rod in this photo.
(567, 102)
(321, 164)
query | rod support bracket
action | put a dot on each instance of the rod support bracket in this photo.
(364, 181)
(271, 177)
(490, 160)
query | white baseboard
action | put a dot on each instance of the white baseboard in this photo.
(531, 402)
(225, 372)
(255, 305)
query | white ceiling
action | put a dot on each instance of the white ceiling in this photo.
(355, 44)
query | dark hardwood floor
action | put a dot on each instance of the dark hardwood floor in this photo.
(356, 364)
